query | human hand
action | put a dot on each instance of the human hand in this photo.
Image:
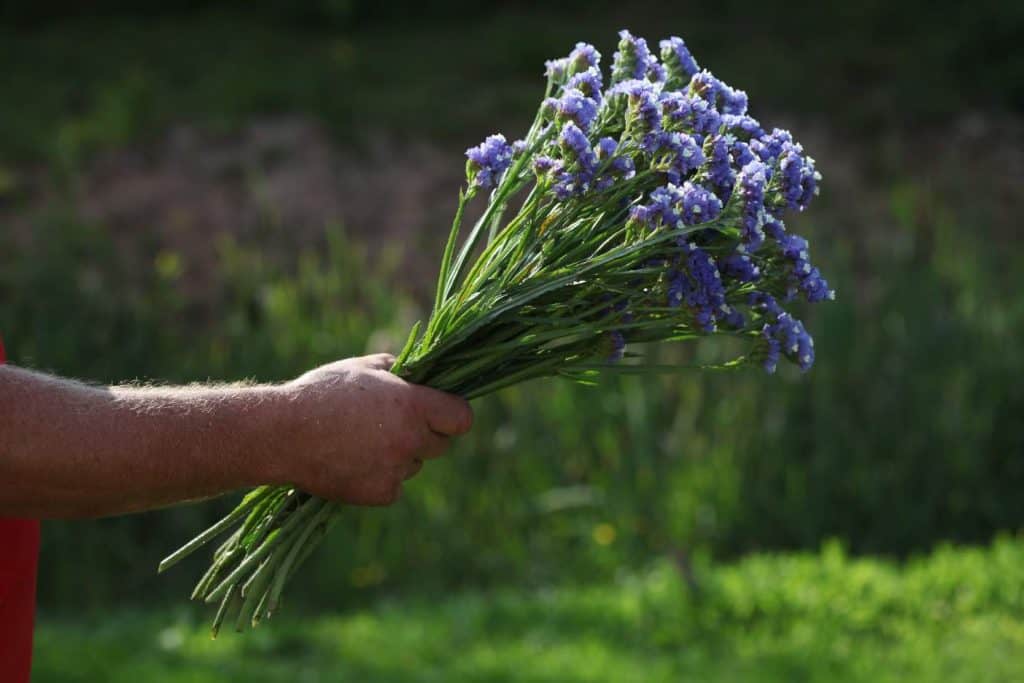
(355, 431)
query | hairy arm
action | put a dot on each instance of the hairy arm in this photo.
(349, 431)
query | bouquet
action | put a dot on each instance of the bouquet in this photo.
(647, 208)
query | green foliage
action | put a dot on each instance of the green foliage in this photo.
(900, 437)
(905, 433)
(956, 615)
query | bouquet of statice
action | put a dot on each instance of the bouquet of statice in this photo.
(645, 206)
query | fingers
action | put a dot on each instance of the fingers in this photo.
(434, 445)
(413, 468)
(446, 414)
(378, 361)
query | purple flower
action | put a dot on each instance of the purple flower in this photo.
(543, 165)
(574, 106)
(557, 69)
(583, 58)
(632, 60)
(656, 72)
(739, 267)
(579, 163)
(741, 154)
(621, 166)
(802, 275)
(781, 334)
(788, 335)
(773, 227)
(705, 86)
(697, 284)
(678, 61)
(692, 113)
(643, 113)
(719, 168)
(769, 146)
(698, 205)
(683, 153)
(798, 177)
(732, 102)
(751, 186)
(487, 161)
(587, 82)
(638, 213)
(663, 205)
(742, 125)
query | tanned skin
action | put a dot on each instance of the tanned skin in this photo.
(349, 431)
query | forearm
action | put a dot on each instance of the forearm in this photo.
(69, 450)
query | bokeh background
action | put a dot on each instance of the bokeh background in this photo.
(225, 190)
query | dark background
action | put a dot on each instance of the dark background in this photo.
(225, 190)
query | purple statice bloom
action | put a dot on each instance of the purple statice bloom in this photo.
(765, 304)
(804, 276)
(815, 287)
(798, 177)
(791, 338)
(663, 204)
(678, 61)
(741, 154)
(769, 146)
(732, 102)
(698, 205)
(691, 112)
(618, 167)
(488, 160)
(739, 267)
(606, 148)
(618, 346)
(639, 213)
(782, 334)
(774, 227)
(575, 106)
(743, 126)
(731, 318)
(697, 284)
(583, 58)
(588, 82)
(579, 163)
(729, 101)
(705, 86)
(557, 69)
(683, 152)
(543, 164)
(751, 187)
(773, 350)
(656, 72)
(518, 147)
(643, 113)
(632, 60)
(720, 173)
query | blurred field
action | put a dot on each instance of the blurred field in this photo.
(955, 615)
(218, 192)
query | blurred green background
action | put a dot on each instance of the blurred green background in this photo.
(226, 190)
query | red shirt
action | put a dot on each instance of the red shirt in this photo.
(19, 551)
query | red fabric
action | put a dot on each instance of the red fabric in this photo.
(19, 552)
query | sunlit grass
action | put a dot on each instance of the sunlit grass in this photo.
(956, 615)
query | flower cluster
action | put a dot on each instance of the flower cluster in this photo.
(667, 146)
(487, 161)
(648, 210)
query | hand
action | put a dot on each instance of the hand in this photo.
(359, 431)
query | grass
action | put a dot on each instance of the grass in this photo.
(955, 615)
